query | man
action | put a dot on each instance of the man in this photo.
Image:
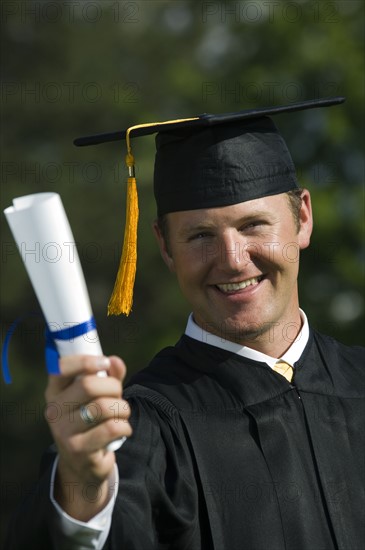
(226, 448)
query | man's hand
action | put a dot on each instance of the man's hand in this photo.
(85, 465)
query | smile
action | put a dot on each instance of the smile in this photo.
(232, 287)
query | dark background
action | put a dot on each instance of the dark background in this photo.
(71, 68)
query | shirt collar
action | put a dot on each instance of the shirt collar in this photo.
(290, 356)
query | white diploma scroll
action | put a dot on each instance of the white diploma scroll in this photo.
(44, 238)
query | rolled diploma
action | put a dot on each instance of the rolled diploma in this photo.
(44, 238)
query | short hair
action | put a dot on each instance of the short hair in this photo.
(162, 224)
(295, 204)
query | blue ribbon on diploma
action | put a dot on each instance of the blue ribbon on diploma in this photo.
(51, 352)
(70, 333)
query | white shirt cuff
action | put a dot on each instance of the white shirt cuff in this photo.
(72, 534)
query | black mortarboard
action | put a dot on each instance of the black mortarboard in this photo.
(203, 162)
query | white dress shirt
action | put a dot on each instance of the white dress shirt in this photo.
(72, 534)
(290, 356)
(77, 535)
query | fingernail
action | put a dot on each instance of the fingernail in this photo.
(103, 363)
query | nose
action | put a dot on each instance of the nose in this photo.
(234, 251)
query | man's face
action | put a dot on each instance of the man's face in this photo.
(238, 266)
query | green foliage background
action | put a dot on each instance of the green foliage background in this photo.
(79, 67)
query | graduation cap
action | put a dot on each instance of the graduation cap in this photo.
(205, 161)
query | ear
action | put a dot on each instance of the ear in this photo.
(165, 253)
(306, 220)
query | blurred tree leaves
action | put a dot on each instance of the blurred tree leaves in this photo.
(78, 67)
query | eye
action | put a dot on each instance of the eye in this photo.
(252, 225)
(198, 236)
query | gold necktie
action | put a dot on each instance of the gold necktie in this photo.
(284, 369)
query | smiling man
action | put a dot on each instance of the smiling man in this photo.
(248, 433)
(235, 266)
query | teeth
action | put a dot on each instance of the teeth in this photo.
(238, 286)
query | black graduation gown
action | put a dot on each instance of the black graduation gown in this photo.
(227, 455)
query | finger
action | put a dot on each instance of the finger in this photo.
(88, 415)
(80, 389)
(105, 433)
(118, 368)
(98, 437)
(87, 388)
(95, 413)
(73, 366)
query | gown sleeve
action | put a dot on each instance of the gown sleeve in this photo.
(156, 506)
(157, 503)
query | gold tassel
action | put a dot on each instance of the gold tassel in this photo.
(122, 297)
